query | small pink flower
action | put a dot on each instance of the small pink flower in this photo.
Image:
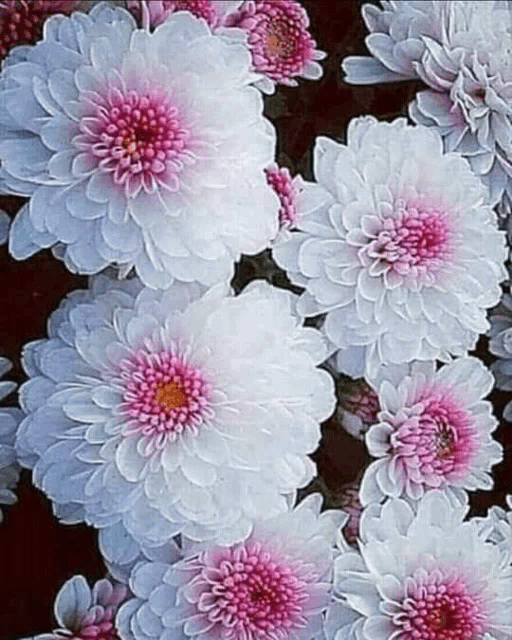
(159, 10)
(21, 21)
(358, 406)
(350, 504)
(86, 614)
(287, 190)
(281, 46)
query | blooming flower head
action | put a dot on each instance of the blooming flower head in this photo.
(424, 574)
(434, 431)
(500, 345)
(213, 11)
(461, 50)
(281, 46)
(276, 584)
(21, 21)
(396, 245)
(85, 613)
(287, 190)
(134, 150)
(172, 412)
(9, 420)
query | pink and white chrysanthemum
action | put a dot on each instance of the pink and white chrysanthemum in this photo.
(287, 190)
(157, 11)
(461, 50)
(277, 35)
(134, 151)
(423, 573)
(21, 21)
(84, 613)
(155, 413)
(397, 245)
(10, 417)
(434, 431)
(276, 584)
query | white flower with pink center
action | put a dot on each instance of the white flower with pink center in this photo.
(434, 431)
(154, 413)
(397, 245)
(423, 573)
(276, 584)
(157, 11)
(117, 136)
(281, 46)
(287, 190)
(84, 613)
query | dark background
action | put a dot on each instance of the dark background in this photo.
(37, 555)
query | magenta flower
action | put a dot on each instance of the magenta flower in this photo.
(21, 21)
(287, 190)
(281, 46)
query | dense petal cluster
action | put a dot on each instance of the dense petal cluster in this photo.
(21, 21)
(396, 245)
(281, 46)
(212, 11)
(276, 584)
(9, 421)
(461, 50)
(434, 431)
(423, 573)
(134, 151)
(156, 413)
(500, 344)
(84, 613)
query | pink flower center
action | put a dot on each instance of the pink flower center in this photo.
(280, 43)
(281, 182)
(437, 444)
(138, 138)
(165, 394)
(419, 240)
(21, 21)
(441, 608)
(254, 593)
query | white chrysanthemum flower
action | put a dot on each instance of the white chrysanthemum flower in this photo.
(500, 344)
(396, 40)
(9, 420)
(276, 584)
(497, 526)
(425, 574)
(139, 149)
(156, 413)
(397, 245)
(434, 431)
(461, 50)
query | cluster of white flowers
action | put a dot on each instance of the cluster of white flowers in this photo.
(176, 416)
